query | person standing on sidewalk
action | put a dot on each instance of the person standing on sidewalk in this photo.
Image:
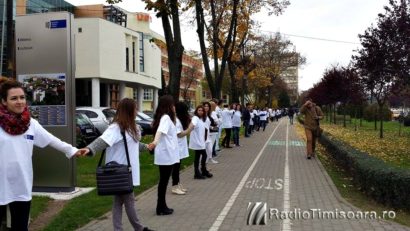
(313, 114)
(291, 113)
(19, 132)
(183, 120)
(166, 148)
(263, 115)
(218, 111)
(197, 141)
(247, 119)
(236, 124)
(212, 128)
(215, 130)
(112, 141)
(227, 126)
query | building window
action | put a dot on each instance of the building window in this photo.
(141, 50)
(127, 61)
(133, 56)
(80, 30)
(148, 94)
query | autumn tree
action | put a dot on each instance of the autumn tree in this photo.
(187, 80)
(218, 24)
(276, 55)
(383, 59)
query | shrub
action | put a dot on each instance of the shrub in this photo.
(369, 113)
(386, 184)
(406, 121)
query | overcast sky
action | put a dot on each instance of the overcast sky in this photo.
(340, 20)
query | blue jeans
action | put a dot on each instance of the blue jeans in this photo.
(236, 135)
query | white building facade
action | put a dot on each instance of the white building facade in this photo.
(114, 61)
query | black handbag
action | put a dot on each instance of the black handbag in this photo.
(114, 178)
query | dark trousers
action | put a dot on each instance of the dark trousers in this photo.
(19, 212)
(263, 124)
(227, 138)
(235, 135)
(200, 155)
(164, 174)
(175, 173)
(291, 119)
(247, 129)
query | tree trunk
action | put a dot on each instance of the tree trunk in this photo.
(344, 115)
(381, 120)
(330, 113)
(355, 118)
(399, 127)
(234, 96)
(174, 48)
(375, 119)
(200, 22)
(334, 114)
(361, 115)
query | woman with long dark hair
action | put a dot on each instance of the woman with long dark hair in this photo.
(213, 129)
(182, 122)
(18, 134)
(197, 141)
(112, 141)
(166, 148)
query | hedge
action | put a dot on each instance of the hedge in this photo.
(384, 183)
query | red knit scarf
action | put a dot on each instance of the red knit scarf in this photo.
(14, 124)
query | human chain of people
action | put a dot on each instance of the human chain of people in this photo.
(175, 132)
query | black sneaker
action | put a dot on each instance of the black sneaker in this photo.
(165, 211)
(207, 174)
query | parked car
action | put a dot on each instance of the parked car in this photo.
(145, 122)
(144, 116)
(149, 113)
(145, 125)
(101, 117)
(85, 130)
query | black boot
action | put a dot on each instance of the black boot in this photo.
(199, 176)
(164, 211)
(206, 173)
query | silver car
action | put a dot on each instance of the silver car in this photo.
(101, 117)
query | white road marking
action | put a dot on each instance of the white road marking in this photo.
(286, 185)
(221, 217)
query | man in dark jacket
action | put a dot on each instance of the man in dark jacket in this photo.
(246, 119)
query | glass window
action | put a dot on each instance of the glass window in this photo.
(89, 114)
(148, 94)
(133, 56)
(141, 51)
(109, 113)
(127, 61)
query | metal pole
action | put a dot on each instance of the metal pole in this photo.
(2, 36)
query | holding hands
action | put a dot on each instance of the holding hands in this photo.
(82, 152)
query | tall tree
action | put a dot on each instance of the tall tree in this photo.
(383, 59)
(217, 23)
(275, 56)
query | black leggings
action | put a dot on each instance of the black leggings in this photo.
(198, 155)
(20, 213)
(175, 173)
(164, 174)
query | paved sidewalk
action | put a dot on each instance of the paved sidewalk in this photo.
(270, 168)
